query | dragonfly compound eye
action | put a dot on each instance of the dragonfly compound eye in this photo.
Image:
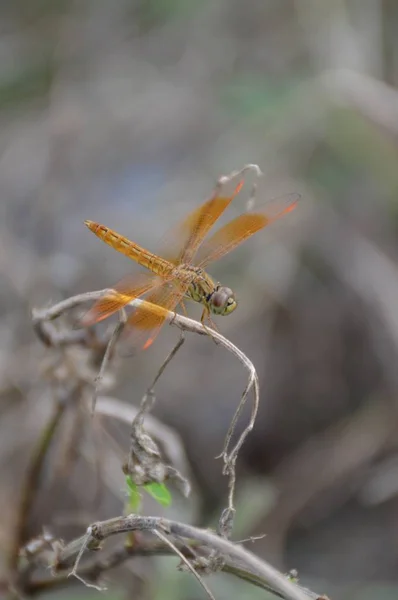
(222, 301)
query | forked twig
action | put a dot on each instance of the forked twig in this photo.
(100, 531)
(87, 538)
(143, 546)
(190, 325)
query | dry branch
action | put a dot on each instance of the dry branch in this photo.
(229, 456)
(98, 532)
(201, 551)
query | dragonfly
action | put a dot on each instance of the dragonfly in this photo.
(181, 272)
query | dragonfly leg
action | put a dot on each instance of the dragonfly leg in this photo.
(206, 315)
(213, 325)
(184, 308)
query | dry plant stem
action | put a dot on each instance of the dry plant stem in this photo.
(99, 457)
(192, 326)
(224, 179)
(50, 336)
(257, 581)
(166, 362)
(30, 483)
(55, 311)
(92, 570)
(149, 398)
(69, 446)
(166, 541)
(73, 573)
(171, 442)
(229, 457)
(144, 462)
(107, 355)
(99, 531)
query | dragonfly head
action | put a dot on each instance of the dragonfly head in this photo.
(222, 301)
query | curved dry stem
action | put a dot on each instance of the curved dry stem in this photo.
(224, 179)
(93, 570)
(190, 325)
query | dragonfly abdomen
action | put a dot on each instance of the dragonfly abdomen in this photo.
(118, 242)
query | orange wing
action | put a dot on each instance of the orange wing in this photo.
(124, 292)
(191, 232)
(238, 230)
(145, 322)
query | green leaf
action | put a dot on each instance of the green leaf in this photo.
(134, 495)
(130, 483)
(159, 492)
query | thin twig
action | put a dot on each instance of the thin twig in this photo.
(86, 540)
(145, 463)
(224, 179)
(168, 359)
(50, 336)
(146, 406)
(169, 543)
(107, 355)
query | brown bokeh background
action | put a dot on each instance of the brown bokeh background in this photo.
(126, 112)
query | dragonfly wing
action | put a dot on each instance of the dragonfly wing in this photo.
(238, 230)
(191, 232)
(125, 291)
(145, 322)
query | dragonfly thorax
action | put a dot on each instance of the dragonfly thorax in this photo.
(219, 300)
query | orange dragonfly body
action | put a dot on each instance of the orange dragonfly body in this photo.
(182, 275)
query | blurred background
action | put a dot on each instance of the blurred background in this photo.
(126, 113)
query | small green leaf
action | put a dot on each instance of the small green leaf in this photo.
(159, 492)
(133, 495)
(130, 483)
